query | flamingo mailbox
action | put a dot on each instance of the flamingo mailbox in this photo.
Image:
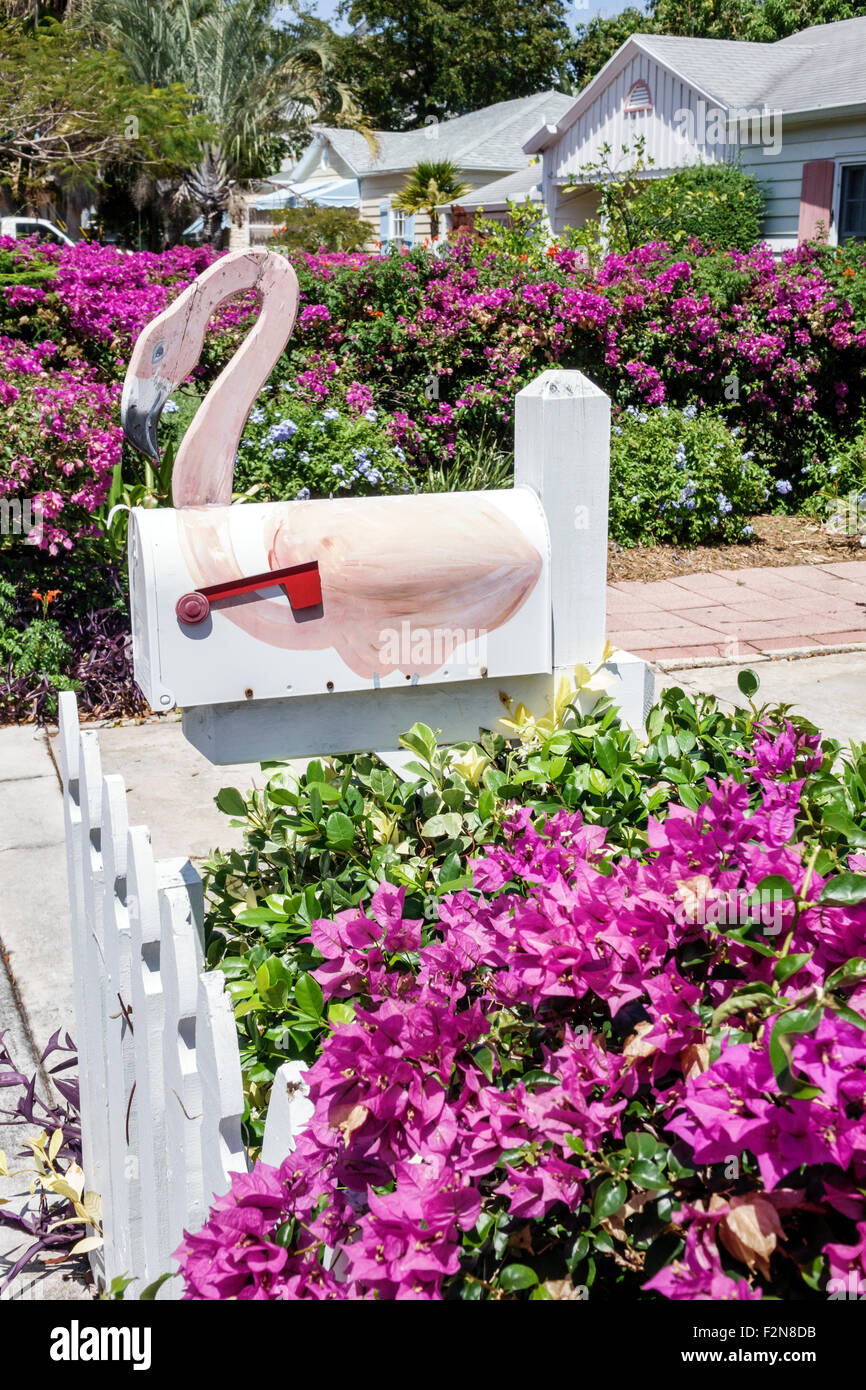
(297, 627)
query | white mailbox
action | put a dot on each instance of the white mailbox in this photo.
(327, 626)
(263, 601)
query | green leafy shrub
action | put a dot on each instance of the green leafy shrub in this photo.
(319, 228)
(292, 448)
(719, 204)
(681, 476)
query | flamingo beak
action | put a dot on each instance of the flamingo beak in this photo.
(140, 408)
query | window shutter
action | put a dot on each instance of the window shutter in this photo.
(384, 216)
(816, 198)
(409, 228)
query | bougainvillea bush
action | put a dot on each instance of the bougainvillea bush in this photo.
(420, 355)
(607, 1065)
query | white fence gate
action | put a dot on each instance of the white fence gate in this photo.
(159, 1066)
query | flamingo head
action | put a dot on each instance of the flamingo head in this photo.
(165, 353)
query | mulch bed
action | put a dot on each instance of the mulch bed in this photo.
(778, 540)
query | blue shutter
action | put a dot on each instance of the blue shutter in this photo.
(409, 224)
(384, 218)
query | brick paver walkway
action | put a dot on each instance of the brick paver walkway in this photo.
(733, 613)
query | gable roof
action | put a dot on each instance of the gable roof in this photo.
(516, 187)
(491, 138)
(815, 70)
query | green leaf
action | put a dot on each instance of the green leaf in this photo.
(230, 802)
(750, 996)
(853, 970)
(609, 1198)
(514, 1277)
(309, 997)
(787, 966)
(484, 1059)
(849, 1015)
(647, 1174)
(449, 825)
(844, 891)
(839, 820)
(339, 830)
(641, 1145)
(748, 683)
(606, 754)
(771, 889)
(792, 1024)
(149, 1294)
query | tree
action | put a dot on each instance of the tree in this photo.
(259, 86)
(412, 59)
(430, 184)
(753, 21)
(70, 112)
(594, 43)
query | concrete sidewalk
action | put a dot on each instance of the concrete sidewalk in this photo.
(738, 613)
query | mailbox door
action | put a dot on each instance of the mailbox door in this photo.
(414, 589)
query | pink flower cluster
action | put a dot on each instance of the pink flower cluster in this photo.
(61, 431)
(486, 1067)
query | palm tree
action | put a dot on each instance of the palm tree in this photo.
(259, 85)
(430, 184)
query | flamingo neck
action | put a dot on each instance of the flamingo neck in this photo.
(204, 468)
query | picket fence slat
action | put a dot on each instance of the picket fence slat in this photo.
(160, 1075)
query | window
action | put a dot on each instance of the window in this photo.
(638, 98)
(852, 202)
(398, 224)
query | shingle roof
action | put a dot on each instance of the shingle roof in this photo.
(524, 183)
(491, 138)
(819, 67)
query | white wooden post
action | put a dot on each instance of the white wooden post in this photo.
(289, 1111)
(562, 451)
(148, 1011)
(181, 934)
(222, 1147)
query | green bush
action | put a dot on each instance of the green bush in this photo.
(719, 204)
(293, 449)
(317, 228)
(681, 476)
(835, 481)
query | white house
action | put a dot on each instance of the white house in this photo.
(793, 113)
(484, 146)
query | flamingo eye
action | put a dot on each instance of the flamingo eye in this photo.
(158, 353)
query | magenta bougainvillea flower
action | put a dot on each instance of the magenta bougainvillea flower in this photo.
(495, 1061)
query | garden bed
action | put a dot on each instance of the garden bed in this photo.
(778, 540)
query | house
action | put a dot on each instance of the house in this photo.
(492, 201)
(484, 146)
(793, 113)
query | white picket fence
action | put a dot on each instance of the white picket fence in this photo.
(159, 1066)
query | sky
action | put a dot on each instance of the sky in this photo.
(579, 10)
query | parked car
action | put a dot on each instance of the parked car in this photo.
(20, 227)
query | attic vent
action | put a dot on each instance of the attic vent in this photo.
(638, 98)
